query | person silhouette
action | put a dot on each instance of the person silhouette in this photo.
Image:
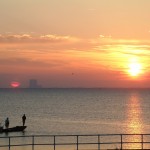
(1, 127)
(7, 122)
(23, 119)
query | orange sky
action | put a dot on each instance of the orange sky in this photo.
(74, 43)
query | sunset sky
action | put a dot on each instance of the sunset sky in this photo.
(75, 43)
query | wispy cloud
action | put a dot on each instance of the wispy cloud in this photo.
(100, 43)
(27, 38)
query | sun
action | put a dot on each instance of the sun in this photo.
(134, 69)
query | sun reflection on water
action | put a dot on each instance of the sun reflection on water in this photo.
(134, 121)
(134, 115)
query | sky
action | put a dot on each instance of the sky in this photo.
(75, 43)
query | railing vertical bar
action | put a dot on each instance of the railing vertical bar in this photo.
(142, 140)
(121, 141)
(77, 142)
(9, 143)
(98, 142)
(33, 142)
(54, 141)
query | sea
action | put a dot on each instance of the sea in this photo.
(69, 111)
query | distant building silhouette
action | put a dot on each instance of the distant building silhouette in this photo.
(33, 83)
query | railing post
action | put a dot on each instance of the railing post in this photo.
(121, 142)
(142, 140)
(33, 142)
(9, 143)
(54, 142)
(77, 142)
(98, 142)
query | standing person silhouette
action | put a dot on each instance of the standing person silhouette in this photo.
(23, 119)
(7, 123)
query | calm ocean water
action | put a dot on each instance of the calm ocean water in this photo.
(77, 111)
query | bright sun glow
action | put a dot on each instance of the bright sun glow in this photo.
(135, 69)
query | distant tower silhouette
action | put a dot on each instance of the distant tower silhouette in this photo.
(33, 83)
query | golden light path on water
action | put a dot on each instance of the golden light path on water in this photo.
(134, 121)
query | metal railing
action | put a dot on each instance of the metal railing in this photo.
(78, 142)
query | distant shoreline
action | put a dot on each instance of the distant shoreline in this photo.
(82, 88)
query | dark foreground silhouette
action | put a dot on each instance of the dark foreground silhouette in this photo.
(13, 129)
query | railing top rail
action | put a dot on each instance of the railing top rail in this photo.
(73, 135)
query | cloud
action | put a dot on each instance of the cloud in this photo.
(29, 43)
(29, 62)
(48, 44)
(107, 44)
(19, 62)
(15, 38)
(54, 38)
(27, 38)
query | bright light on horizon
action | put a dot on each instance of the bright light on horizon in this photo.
(15, 84)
